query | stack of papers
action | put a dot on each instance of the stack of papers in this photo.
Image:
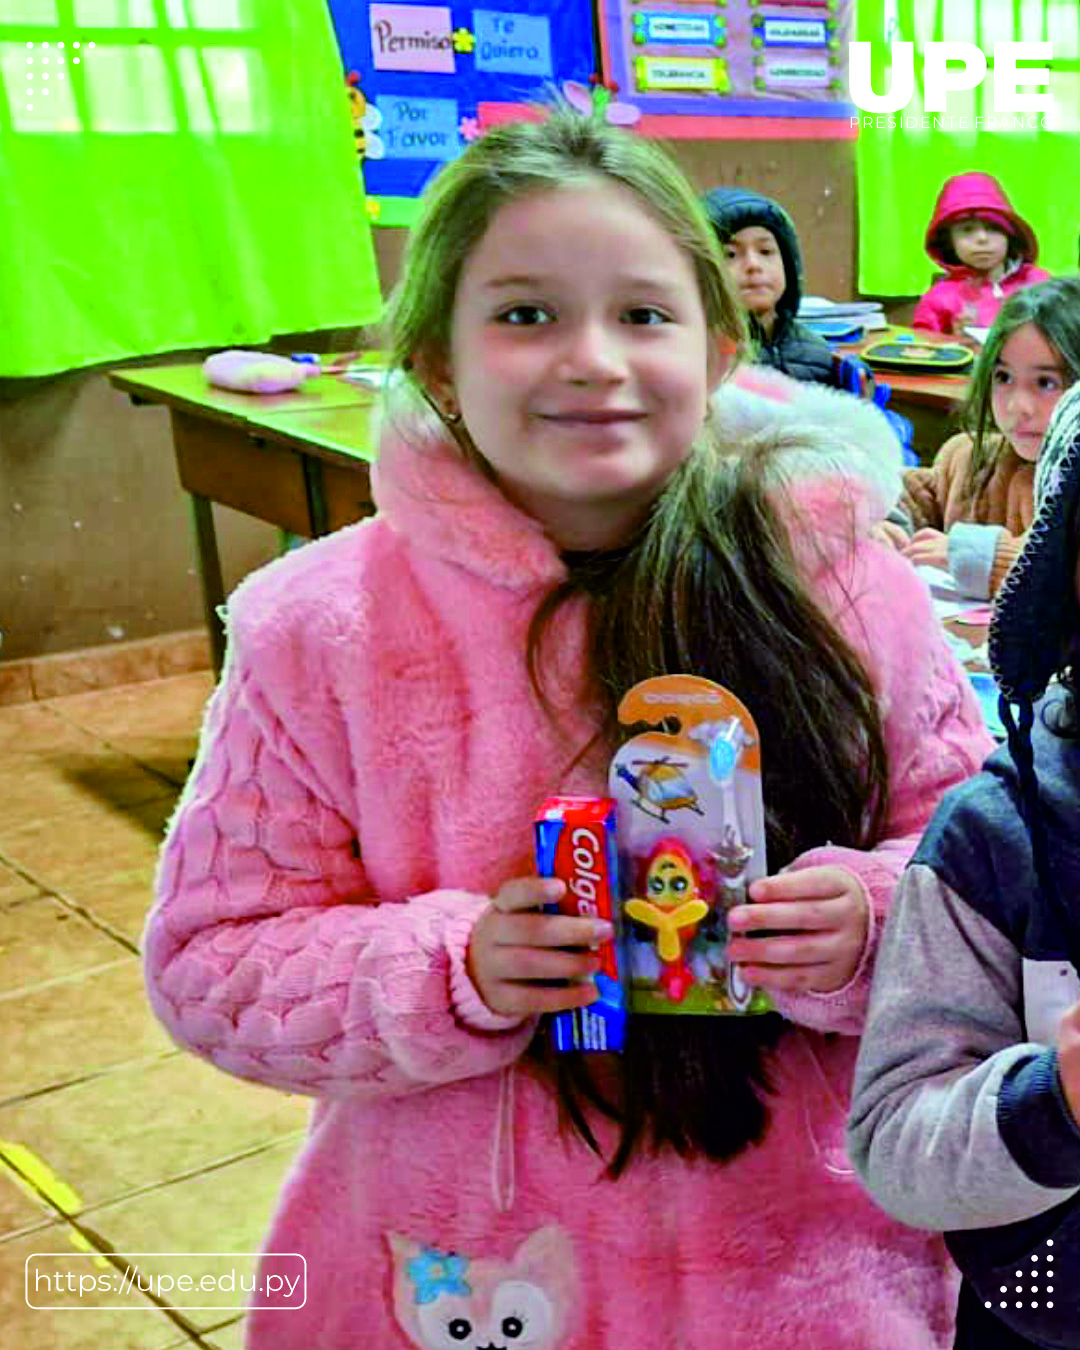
(869, 314)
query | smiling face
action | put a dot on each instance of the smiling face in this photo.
(756, 267)
(980, 246)
(579, 358)
(1028, 381)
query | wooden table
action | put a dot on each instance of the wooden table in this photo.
(299, 461)
(931, 401)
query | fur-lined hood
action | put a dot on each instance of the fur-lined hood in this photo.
(838, 466)
(835, 449)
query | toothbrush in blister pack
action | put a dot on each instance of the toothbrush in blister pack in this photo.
(691, 835)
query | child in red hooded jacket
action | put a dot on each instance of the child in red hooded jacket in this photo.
(988, 251)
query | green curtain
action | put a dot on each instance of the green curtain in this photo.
(173, 174)
(901, 170)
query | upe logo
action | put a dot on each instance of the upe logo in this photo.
(938, 79)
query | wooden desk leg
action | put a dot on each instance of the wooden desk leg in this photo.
(316, 495)
(213, 588)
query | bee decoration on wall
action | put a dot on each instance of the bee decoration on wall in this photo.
(365, 119)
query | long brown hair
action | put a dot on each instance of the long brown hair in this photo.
(1054, 308)
(709, 585)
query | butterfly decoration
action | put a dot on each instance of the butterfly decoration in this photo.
(599, 97)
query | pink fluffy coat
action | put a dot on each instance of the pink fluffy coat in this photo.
(368, 774)
(964, 298)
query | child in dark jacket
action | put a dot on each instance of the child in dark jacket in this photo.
(987, 250)
(764, 263)
(966, 1107)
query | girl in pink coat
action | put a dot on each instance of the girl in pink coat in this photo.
(346, 899)
(987, 250)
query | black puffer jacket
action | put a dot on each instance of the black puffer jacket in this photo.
(791, 347)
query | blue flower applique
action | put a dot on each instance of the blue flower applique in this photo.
(434, 1273)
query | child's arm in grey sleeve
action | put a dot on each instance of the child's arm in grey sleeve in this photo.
(943, 1032)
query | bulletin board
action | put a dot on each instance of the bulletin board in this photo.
(686, 64)
(425, 79)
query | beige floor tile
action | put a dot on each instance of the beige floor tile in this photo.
(121, 901)
(15, 683)
(157, 723)
(99, 1320)
(146, 1124)
(91, 844)
(19, 1211)
(63, 1032)
(68, 780)
(40, 940)
(94, 668)
(185, 653)
(41, 731)
(89, 1081)
(33, 728)
(227, 1338)
(221, 1216)
(15, 889)
(50, 769)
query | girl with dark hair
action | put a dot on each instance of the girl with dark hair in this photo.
(346, 899)
(972, 509)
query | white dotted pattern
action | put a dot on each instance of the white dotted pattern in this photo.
(45, 61)
(1047, 1271)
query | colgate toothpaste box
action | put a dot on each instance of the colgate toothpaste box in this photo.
(575, 841)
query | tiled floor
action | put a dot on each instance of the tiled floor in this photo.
(113, 1143)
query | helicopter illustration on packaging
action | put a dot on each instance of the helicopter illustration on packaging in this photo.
(660, 786)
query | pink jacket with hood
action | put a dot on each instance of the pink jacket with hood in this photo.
(368, 775)
(964, 297)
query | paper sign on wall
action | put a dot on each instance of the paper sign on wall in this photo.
(512, 44)
(699, 60)
(420, 128)
(411, 37)
(687, 29)
(795, 33)
(423, 78)
(804, 74)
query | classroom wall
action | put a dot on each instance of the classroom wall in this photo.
(96, 545)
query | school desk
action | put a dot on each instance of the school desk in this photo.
(931, 401)
(298, 460)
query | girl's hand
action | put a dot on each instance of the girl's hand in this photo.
(890, 534)
(928, 548)
(1068, 1048)
(812, 928)
(523, 961)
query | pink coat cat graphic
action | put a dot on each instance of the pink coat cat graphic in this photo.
(447, 1301)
